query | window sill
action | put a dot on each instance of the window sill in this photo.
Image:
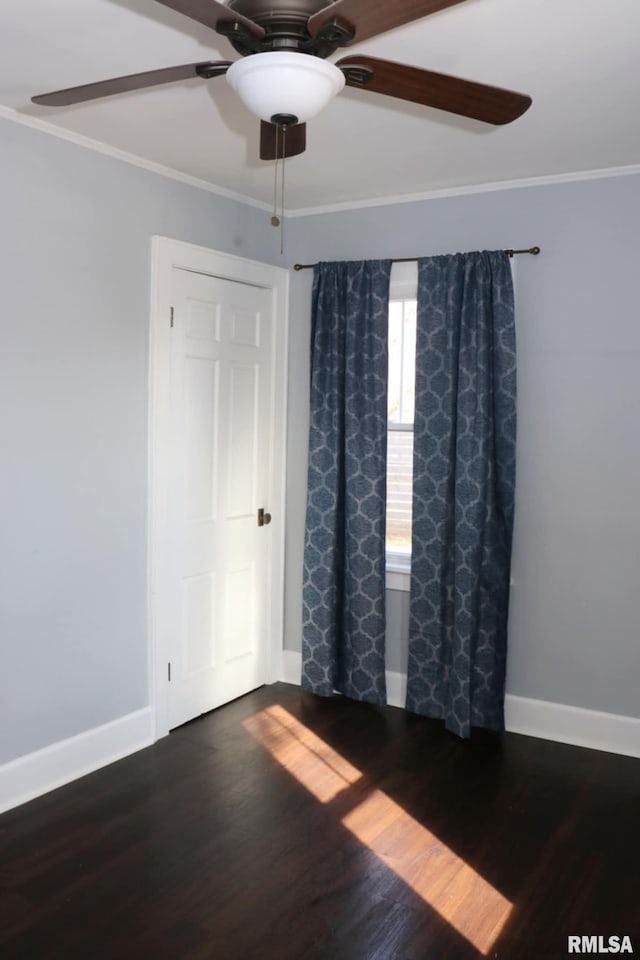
(398, 573)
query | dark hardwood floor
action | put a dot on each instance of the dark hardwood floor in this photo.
(288, 827)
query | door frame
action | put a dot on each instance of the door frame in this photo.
(166, 255)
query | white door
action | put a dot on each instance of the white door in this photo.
(221, 363)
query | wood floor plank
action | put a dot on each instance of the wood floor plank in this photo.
(291, 827)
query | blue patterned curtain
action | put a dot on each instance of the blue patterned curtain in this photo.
(463, 495)
(344, 559)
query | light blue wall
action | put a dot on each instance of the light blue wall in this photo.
(75, 253)
(574, 614)
(75, 256)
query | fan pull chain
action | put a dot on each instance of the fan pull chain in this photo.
(281, 153)
(284, 160)
(282, 122)
(275, 220)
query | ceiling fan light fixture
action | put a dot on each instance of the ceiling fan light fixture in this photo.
(284, 82)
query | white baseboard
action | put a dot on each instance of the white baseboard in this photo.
(37, 773)
(396, 689)
(292, 670)
(291, 667)
(581, 728)
(532, 718)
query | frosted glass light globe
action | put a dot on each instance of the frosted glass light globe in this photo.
(284, 82)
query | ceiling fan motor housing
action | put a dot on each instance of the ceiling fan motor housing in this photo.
(285, 23)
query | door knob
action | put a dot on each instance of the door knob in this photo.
(263, 517)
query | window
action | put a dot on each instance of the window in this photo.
(402, 350)
(402, 353)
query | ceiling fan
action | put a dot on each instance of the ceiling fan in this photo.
(284, 76)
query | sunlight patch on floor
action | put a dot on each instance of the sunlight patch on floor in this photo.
(311, 761)
(431, 869)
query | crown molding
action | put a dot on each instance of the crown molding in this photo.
(151, 166)
(469, 189)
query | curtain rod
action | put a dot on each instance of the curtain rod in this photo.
(510, 253)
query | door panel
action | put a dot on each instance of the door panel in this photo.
(220, 399)
(243, 451)
(200, 390)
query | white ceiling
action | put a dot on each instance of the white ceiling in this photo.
(578, 59)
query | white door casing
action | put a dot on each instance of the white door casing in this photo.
(207, 556)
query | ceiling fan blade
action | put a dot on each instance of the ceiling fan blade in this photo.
(134, 81)
(213, 14)
(271, 141)
(464, 97)
(368, 18)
